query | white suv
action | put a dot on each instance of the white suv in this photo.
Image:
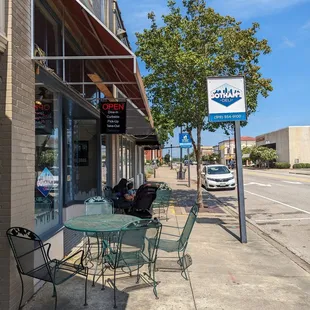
(218, 177)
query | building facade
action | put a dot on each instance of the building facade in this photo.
(60, 60)
(227, 149)
(150, 155)
(292, 144)
(206, 150)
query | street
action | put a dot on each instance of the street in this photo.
(278, 202)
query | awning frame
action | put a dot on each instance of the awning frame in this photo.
(122, 80)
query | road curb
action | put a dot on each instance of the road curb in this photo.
(278, 245)
(300, 173)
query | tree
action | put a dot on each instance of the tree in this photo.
(247, 150)
(263, 155)
(196, 42)
(167, 158)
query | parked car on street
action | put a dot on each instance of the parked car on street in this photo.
(218, 177)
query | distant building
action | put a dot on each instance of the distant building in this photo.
(206, 150)
(216, 149)
(150, 155)
(227, 148)
(292, 144)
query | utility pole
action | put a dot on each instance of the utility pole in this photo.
(181, 155)
(189, 169)
(171, 157)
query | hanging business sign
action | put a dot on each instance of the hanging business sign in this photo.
(226, 99)
(113, 117)
(185, 141)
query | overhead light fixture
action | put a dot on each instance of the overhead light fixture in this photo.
(121, 33)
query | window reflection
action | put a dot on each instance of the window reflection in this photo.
(46, 160)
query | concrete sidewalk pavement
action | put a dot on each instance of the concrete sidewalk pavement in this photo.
(225, 274)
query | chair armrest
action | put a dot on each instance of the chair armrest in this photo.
(48, 249)
(73, 255)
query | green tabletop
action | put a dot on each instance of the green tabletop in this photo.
(100, 223)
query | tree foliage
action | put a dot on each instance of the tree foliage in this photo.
(196, 42)
(263, 155)
(211, 158)
(167, 158)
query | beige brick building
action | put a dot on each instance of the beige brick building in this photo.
(50, 122)
(292, 143)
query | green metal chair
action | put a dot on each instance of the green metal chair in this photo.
(181, 243)
(32, 260)
(162, 201)
(133, 248)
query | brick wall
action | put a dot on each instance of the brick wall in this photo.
(17, 142)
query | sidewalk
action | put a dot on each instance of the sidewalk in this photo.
(225, 274)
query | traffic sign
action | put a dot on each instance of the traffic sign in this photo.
(226, 99)
(185, 140)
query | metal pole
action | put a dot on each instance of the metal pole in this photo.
(189, 169)
(240, 184)
(181, 155)
(171, 167)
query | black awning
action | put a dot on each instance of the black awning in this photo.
(149, 142)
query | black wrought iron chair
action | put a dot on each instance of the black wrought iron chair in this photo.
(32, 259)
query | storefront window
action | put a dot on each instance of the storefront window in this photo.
(47, 163)
(2, 17)
(82, 163)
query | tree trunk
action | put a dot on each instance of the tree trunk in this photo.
(197, 151)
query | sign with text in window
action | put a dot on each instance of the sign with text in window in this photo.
(113, 117)
(226, 99)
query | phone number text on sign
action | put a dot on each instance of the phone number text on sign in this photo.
(222, 117)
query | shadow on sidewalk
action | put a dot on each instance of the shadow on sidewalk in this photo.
(212, 211)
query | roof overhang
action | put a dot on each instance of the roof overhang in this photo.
(100, 43)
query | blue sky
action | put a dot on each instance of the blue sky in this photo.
(286, 25)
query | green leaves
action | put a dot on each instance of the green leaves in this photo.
(188, 48)
(263, 154)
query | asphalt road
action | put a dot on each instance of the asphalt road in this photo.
(279, 203)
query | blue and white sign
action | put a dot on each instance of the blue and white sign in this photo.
(45, 182)
(185, 140)
(226, 99)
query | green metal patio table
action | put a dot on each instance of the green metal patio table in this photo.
(103, 223)
(105, 226)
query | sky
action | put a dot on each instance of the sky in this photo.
(286, 26)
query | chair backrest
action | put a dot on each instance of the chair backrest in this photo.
(139, 237)
(188, 226)
(144, 198)
(98, 205)
(30, 253)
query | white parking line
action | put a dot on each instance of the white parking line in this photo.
(291, 219)
(290, 182)
(279, 202)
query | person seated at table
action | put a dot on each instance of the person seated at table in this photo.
(120, 188)
(123, 199)
(131, 192)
